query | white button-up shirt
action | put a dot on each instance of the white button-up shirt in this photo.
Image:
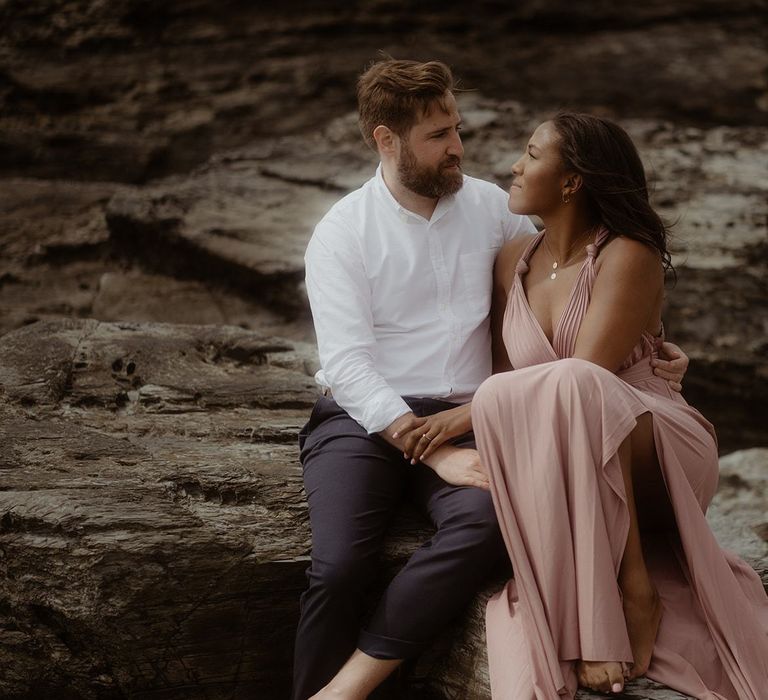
(401, 304)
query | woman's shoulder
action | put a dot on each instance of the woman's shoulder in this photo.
(507, 258)
(513, 249)
(630, 257)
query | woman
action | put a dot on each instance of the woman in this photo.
(600, 474)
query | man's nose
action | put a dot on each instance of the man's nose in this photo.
(456, 147)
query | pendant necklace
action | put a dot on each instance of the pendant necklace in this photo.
(569, 255)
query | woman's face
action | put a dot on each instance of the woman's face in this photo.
(539, 177)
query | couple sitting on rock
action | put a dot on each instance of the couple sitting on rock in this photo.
(512, 383)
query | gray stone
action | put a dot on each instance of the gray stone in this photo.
(132, 91)
(151, 511)
(153, 528)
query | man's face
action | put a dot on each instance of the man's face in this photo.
(429, 159)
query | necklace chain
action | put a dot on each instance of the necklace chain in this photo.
(568, 254)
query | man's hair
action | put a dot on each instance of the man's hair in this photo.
(397, 93)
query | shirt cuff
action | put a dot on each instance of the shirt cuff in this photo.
(374, 420)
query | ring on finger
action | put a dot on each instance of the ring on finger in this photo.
(426, 437)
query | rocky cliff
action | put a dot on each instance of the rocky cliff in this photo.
(133, 89)
(163, 166)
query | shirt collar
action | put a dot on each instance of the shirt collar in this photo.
(444, 204)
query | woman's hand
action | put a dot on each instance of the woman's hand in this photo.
(671, 365)
(422, 436)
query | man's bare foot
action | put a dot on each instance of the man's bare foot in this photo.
(329, 693)
(643, 616)
(604, 676)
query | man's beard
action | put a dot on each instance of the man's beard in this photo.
(425, 181)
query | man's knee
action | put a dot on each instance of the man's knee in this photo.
(474, 519)
(340, 576)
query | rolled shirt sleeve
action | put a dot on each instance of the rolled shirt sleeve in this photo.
(340, 298)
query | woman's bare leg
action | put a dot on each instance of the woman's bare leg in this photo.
(359, 676)
(642, 607)
(646, 493)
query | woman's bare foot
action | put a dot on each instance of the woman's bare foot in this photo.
(604, 676)
(643, 616)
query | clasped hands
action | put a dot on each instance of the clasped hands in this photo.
(424, 437)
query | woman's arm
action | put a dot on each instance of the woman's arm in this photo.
(626, 300)
(423, 436)
(503, 278)
(500, 358)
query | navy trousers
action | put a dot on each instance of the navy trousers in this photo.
(354, 482)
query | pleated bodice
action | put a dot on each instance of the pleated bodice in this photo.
(525, 340)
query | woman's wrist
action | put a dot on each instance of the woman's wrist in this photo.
(467, 417)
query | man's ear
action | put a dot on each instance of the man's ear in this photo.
(385, 140)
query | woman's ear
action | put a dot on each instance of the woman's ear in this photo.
(573, 183)
(385, 140)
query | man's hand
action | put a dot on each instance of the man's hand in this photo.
(459, 466)
(672, 364)
(422, 436)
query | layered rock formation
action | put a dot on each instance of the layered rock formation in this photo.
(153, 529)
(156, 465)
(133, 89)
(156, 349)
(225, 243)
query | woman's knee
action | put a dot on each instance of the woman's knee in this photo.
(491, 393)
(576, 368)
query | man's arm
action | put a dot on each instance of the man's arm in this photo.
(340, 298)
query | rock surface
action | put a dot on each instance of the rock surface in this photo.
(216, 223)
(156, 349)
(155, 466)
(131, 90)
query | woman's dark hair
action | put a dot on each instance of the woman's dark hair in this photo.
(613, 178)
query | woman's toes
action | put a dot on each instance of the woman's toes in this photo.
(616, 677)
(603, 676)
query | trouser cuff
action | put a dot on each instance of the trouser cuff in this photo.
(380, 647)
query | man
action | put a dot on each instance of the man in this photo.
(399, 280)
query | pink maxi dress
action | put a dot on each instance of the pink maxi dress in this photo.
(549, 432)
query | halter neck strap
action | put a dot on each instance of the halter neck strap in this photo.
(593, 248)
